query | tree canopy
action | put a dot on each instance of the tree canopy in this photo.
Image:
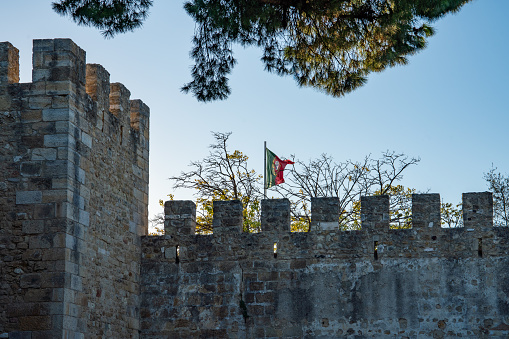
(110, 16)
(330, 45)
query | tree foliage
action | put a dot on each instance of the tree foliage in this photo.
(110, 16)
(330, 45)
(451, 215)
(223, 175)
(499, 185)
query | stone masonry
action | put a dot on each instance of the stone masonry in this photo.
(73, 197)
(75, 261)
(377, 282)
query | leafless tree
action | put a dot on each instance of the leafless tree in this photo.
(348, 180)
(499, 185)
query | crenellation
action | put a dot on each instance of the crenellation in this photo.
(373, 281)
(375, 212)
(477, 210)
(228, 218)
(426, 211)
(9, 63)
(58, 60)
(275, 216)
(324, 214)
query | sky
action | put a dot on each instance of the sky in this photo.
(448, 106)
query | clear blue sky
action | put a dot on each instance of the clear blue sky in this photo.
(448, 106)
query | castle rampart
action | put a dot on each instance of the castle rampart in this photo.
(75, 261)
(74, 194)
(424, 282)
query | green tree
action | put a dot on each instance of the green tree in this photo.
(331, 45)
(223, 175)
(110, 16)
(451, 215)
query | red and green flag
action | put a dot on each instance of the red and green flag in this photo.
(274, 169)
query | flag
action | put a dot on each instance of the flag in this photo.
(274, 169)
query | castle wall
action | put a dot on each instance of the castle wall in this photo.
(74, 184)
(75, 261)
(425, 282)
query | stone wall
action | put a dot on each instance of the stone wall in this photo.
(73, 197)
(423, 282)
(75, 261)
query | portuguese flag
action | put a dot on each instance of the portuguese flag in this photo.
(274, 169)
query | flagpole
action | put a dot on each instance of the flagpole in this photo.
(265, 169)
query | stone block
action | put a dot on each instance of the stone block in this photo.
(275, 215)
(20, 335)
(58, 114)
(30, 280)
(59, 140)
(375, 212)
(477, 210)
(44, 211)
(228, 217)
(79, 175)
(39, 102)
(84, 218)
(28, 197)
(44, 154)
(30, 169)
(33, 141)
(55, 279)
(33, 226)
(49, 196)
(86, 139)
(56, 169)
(76, 283)
(35, 323)
(31, 116)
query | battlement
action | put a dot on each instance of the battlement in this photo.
(60, 69)
(74, 171)
(375, 282)
(425, 238)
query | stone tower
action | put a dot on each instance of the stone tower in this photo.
(73, 197)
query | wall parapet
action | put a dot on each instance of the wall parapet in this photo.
(375, 239)
(425, 281)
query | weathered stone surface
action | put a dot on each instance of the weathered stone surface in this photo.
(422, 282)
(72, 183)
(228, 217)
(28, 197)
(275, 215)
(324, 214)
